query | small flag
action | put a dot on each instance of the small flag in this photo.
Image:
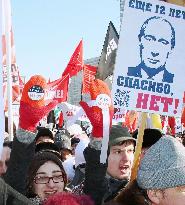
(89, 73)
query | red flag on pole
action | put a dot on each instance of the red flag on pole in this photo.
(89, 73)
(76, 62)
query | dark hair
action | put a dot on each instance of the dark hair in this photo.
(143, 27)
(39, 159)
(133, 194)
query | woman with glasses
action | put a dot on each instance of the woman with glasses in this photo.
(46, 176)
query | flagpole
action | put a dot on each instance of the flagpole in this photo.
(138, 146)
(7, 18)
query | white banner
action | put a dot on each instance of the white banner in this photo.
(71, 113)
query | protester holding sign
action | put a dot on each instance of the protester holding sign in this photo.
(118, 164)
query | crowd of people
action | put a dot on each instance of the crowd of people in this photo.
(43, 167)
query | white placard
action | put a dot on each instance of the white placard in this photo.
(149, 71)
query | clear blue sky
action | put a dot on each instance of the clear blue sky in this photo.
(46, 32)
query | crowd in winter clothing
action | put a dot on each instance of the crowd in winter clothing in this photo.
(44, 167)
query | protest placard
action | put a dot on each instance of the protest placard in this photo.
(149, 71)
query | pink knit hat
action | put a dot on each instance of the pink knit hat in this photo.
(68, 199)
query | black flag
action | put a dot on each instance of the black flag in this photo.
(108, 55)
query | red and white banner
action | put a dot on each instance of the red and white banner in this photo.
(58, 90)
(89, 73)
(71, 113)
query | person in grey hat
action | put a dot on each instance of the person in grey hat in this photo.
(121, 155)
(161, 176)
(63, 142)
(113, 176)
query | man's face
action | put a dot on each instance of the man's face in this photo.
(170, 196)
(5, 157)
(156, 44)
(120, 160)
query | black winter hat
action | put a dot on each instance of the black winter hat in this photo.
(48, 146)
(42, 131)
(150, 137)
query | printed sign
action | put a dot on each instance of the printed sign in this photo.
(149, 67)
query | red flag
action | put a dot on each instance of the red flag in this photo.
(61, 119)
(58, 90)
(76, 62)
(89, 73)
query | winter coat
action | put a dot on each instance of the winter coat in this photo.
(78, 177)
(97, 184)
(20, 158)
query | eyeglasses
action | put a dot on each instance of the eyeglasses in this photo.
(45, 179)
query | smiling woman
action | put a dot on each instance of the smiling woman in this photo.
(46, 176)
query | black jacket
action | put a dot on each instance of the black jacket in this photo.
(20, 158)
(97, 184)
(136, 72)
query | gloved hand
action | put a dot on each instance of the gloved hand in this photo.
(32, 104)
(94, 113)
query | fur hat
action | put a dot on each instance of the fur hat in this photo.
(150, 137)
(39, 159)
(163, 165)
